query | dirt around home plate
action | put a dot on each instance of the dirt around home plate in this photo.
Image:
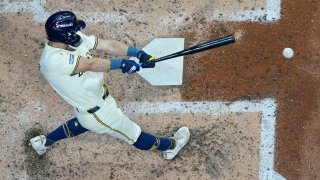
(251, 69)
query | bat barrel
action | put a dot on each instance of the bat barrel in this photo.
(200, 47)
(217, 42)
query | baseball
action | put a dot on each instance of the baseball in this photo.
(288, 53)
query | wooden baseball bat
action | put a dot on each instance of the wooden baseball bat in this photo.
(200, 47)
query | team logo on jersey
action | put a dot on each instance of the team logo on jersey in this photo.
(71, 59)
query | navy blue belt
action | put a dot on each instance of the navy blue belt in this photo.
(96, 108)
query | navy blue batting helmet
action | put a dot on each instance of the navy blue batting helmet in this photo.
(62, 27)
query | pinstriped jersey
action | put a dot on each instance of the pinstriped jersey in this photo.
(82, 90)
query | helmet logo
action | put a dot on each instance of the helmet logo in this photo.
(63, 25)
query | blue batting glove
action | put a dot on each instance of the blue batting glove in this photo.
(145, 60)
(129, 66)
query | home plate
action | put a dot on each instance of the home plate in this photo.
(168, 72)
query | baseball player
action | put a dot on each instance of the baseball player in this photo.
(68, 66)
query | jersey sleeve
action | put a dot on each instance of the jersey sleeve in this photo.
(64, 64)
(91, 41)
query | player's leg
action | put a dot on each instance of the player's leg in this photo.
(110, 120)
(69, 129)
(148, 141)
(170, 146)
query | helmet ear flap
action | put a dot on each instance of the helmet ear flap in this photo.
(77, 44)
(73, 39)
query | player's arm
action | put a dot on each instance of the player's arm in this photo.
(114, 47)
(104, 65)
(92, 64)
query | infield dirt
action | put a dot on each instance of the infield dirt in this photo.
(251, 69)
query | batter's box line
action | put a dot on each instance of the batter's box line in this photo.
(267, 107)
(270, 13)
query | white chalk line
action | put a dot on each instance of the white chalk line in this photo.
(269, 14)
(267, 108)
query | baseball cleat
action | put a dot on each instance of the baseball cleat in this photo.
(181, 137)
(38, 144)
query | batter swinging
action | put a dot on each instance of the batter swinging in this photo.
(68, 66)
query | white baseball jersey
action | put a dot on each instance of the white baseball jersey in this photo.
(85, 90)
(82, 90)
